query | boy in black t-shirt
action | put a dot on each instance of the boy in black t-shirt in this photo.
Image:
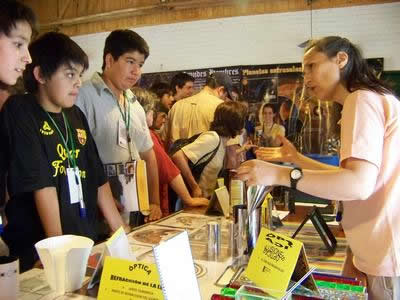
(55, 176)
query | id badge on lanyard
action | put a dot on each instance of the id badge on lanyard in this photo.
(75, 185)
(75, 190)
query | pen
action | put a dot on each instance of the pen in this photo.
(1, 224)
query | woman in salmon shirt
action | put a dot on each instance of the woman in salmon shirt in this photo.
(367, 182)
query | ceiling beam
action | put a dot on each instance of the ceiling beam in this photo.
(88, 16)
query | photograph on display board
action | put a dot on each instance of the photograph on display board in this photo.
(265, 88)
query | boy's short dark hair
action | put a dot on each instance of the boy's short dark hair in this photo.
(229, 118)
(180, 80)
(160, 88)
(49, 52)
(12, 12)
(121, 41)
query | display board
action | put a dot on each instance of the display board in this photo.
(273, 84)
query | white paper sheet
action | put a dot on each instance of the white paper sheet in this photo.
(176, 268)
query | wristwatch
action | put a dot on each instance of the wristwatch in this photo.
(295, 175)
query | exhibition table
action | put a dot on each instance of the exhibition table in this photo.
(34, 287)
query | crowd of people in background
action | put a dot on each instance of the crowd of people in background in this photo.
(66, 143)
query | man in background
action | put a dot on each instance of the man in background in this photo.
(182, 86)
(194, 115)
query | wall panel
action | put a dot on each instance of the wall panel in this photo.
(260, 39)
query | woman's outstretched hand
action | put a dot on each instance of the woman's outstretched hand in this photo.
(259, 172)
(286, 153)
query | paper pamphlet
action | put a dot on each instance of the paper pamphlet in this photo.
(125, 279)
(223, 199)
(116, 246)
(275, 260)
(219, 202)
(176, 268)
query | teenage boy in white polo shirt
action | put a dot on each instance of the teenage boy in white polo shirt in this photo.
(116, 119)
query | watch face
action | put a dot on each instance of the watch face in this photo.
(295, 174)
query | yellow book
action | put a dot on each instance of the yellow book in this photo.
(142, 190)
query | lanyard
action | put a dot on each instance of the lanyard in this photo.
(70, 156)
(126, 116)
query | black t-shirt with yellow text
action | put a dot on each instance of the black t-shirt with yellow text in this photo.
(36, 158)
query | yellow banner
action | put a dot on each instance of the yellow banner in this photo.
(124, 279)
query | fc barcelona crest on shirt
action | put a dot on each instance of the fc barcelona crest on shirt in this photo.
(82, 136)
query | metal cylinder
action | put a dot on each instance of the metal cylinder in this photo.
(253, 229)
(240, 220)
(231, 238)
(214, 239)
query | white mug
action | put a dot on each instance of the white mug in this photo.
(9, 278)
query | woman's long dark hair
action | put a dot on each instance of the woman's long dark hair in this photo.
(356, 74)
